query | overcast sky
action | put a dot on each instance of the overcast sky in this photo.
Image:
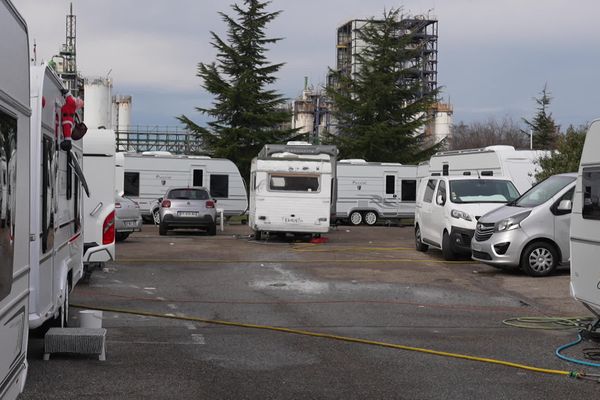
(494, 56)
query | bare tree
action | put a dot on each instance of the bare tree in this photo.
(489, 133)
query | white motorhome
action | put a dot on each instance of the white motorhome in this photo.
(369, 191)
(518, 165)
(292, 189)
(56, 204)
(99, 209)
(120, 173)
(585, 225)
(148, 176)
(14, 233)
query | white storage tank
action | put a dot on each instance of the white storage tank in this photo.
(123, 113)
(98, 103)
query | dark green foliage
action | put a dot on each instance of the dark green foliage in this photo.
(545, 132)
(245, 113)
(567, 155)
(380, 109)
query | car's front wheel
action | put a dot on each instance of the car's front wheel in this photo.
(447, 250)
(539, 259)
(419, 245)
(162, 229)
(212, 230)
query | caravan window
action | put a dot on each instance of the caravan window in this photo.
(390, 184)
(219, 186)
(8, 150)
(294, 183)
(591, 193)
(47, 194)
(409, 190)
(131, 184)
(198, 178)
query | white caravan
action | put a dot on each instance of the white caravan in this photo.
(120, 173)
(56, 204)
(519, 166)
(585, 225)
(99, 209)
(14, 233)
(148, 176)
(292, 189)
(369, 191)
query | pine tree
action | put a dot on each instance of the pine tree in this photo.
(245, 114)
(543, 128)
(567, 156)
(380, 109)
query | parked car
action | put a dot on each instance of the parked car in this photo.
(447, 220)
(128, 218)
(188, 207)
(531, 232)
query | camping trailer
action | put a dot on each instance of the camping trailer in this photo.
(14, 232)
(148, 175)
(518, 165)
(585, 225)
(99, 209)
(370, 191)
(56, 204)
(292, 189)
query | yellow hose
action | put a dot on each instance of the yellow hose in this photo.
(572, 374)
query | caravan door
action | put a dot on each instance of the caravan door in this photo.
(198, 176)
(391, 194)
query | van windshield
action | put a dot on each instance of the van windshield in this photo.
(188, 194)
(482, 191)
(543, 191)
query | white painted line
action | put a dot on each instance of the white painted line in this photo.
(191, 326)
(170, 315)
(149, 288)
(117, 281)
(198, 338)
(172, 306)
(160, 298)
(148, 292)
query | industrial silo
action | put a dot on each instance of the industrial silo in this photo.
(98, 99)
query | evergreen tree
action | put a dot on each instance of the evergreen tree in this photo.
(245, 114)
(567, 156)
(543, 128)
(381, 108)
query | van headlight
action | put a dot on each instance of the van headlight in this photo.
(511, 223)
(461, 215)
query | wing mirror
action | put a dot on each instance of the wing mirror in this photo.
(441, 200)
(565, 205)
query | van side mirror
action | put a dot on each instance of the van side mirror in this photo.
(565, 205)
(441, 200)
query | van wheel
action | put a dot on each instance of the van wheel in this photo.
(419, 245)
(370, 218)
(356, 218)
(120, 236)
(162, 229)
(539, 259)
(257, 235)
(447, 251)
(212, 230)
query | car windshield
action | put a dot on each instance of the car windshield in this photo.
(482, 191)
(188, 194)
(543, 191)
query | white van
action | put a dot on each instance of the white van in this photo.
(292, 189)
(448, 208)
(56, 204)
(14, 232)
(520, 166)
(532, 232)
(585, 225)
(370, 191)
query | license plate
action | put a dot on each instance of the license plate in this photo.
(187, 213)
(131, 224)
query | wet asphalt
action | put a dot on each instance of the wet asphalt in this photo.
(365, 282)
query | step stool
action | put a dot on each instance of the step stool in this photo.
(75, 340)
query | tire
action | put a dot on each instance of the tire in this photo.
(156, 217)
(539, 259)
(419, 245)
(257, 235)
(447, 251)
(370, 218)
(212, 230)
(355, 218)
(162, 229)
(120, 236)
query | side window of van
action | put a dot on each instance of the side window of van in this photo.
(591, 193)
(429, 190)
(441, 192)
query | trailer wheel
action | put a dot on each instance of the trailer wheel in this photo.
(370, 218)
(156, 217)
(212, 230)
(356, 218)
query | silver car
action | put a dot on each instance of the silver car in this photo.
(188, 207)
(531, 232)
(127, 219)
